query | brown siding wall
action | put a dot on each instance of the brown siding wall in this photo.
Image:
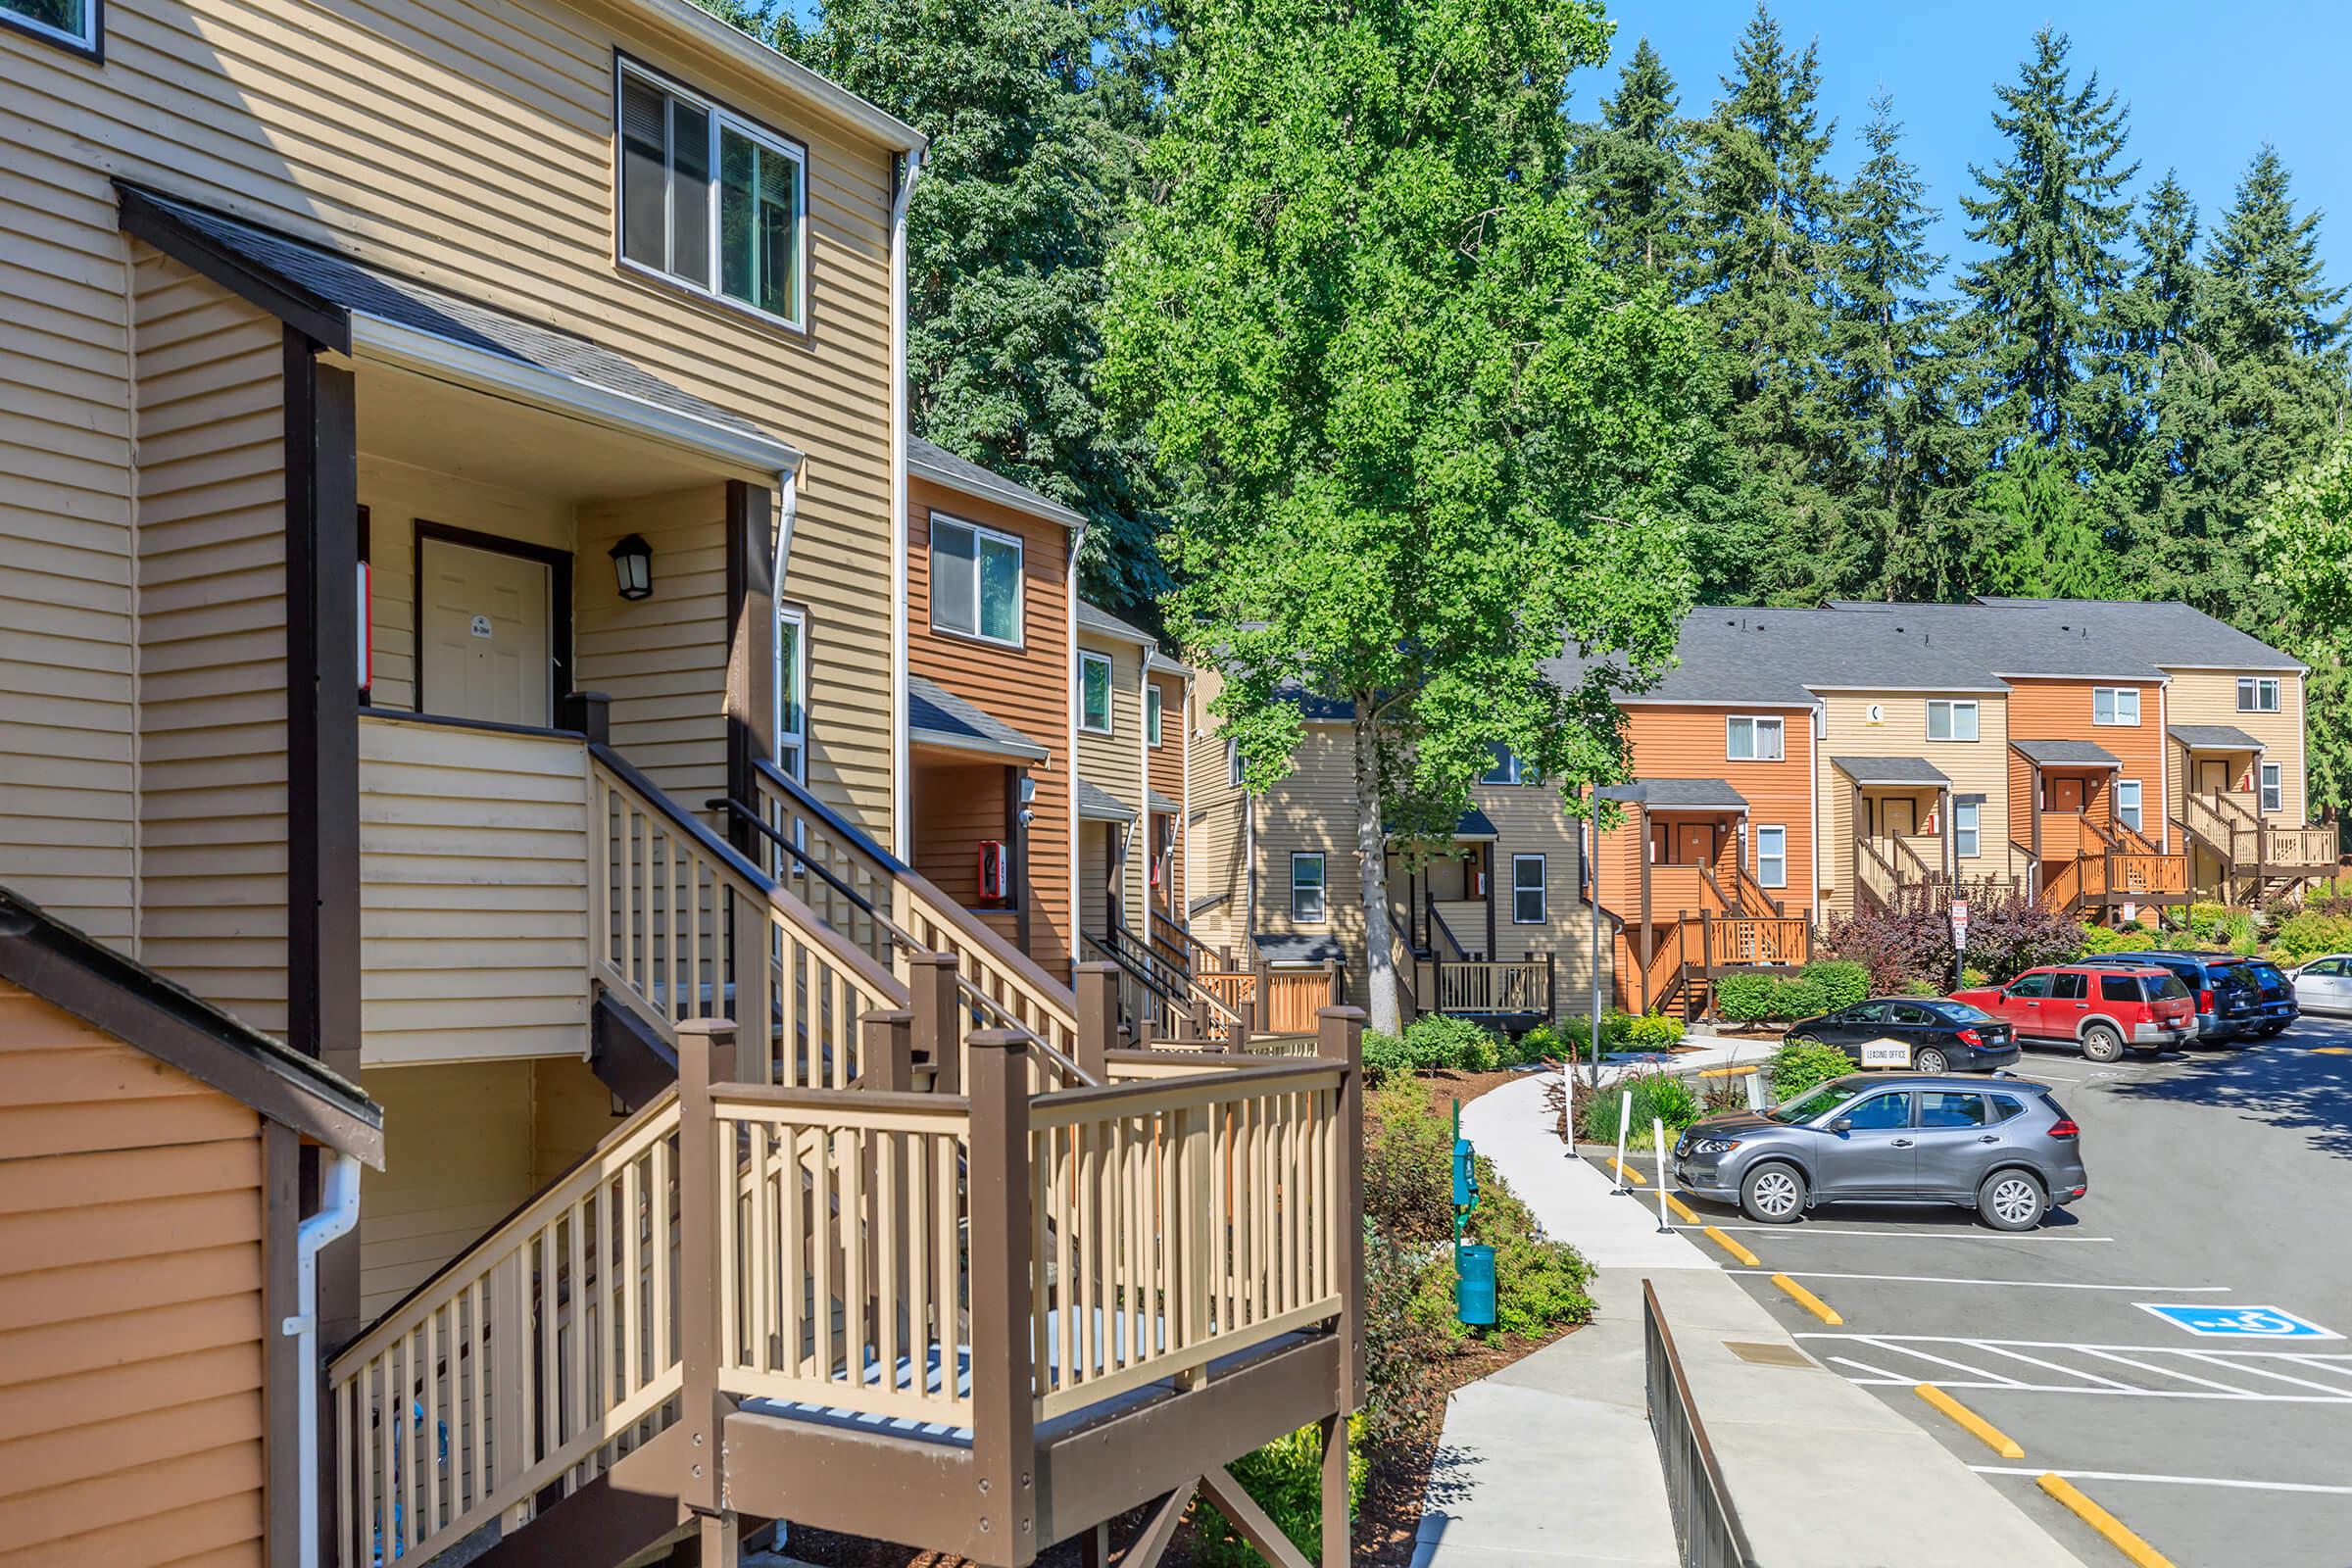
(2061, 710)
(1693, 743)
(210, 415)
(131, 1304)
(1164, 769)
(1028, 688)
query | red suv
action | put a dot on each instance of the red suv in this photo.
(2103, 1010)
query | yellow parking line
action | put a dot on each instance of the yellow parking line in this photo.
(2105, 1523)
(1984, 1431)
(1732, 1247)
(2331, 1051)
(1819, 1308)
(1628, 1172)
(1679, 1207)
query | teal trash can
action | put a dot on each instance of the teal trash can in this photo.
(1474, 1289)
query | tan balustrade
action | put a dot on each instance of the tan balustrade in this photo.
(1518, 985)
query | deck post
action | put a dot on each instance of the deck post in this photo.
(931, 991)
(886, 1049)
(589, 712)
(1265, 995)
(1339, 1034)
(706, 1049)
(1248, 1027)
(1003, 1390)
(1098, 988)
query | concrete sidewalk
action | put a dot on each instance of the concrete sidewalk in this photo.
(1553, 1457)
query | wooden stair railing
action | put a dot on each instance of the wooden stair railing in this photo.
(1724, 904)
(1873, 874)
(1516, 986)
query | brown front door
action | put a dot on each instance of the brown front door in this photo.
(2213, 778)
(1693, 846)
(1898, 818)
(2062, 794)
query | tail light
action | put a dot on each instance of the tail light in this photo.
(2064, 1127)
(2204, 1000)
(2148, 1013)
(1969, 1037)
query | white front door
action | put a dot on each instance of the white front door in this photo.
(487, 633)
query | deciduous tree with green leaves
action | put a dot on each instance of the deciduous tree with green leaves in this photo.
(1434, 440)
(2304, 543)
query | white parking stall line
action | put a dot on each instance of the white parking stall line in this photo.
(2336, 1389)
(1938, 1279)
(2031, 1471)
(2054, 1366)
(1878, 1373)
(2165, 1371)
(1959, 1366)
(2067, 1345)
(2230, 1375)
(2323, 1363)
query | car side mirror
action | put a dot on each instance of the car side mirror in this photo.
(1843, 1124)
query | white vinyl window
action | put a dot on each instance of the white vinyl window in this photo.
(1754, 740)
(975, 581)
(1949, 720)
(73, 23)
(1232, 764)
(1094, 693)
(2126, 803)
(2115, 704)
(1968, 817)
(1771, 856)
(1151, 711)
(2257, 694)
(791, 694)
(2273, 788)
(1527, 890)
(1307, 887)
(708, 200)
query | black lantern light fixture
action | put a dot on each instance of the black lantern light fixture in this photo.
(633, 567)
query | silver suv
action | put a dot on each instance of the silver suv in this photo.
(2003, 1148)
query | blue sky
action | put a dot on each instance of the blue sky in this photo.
(2207, 85)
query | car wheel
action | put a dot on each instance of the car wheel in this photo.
(1930, 1061)
(2011, 1200)
(1772, 1194)
(2100, 1042)
(1800, 1040)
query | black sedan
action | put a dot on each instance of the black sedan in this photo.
(1943, 1036)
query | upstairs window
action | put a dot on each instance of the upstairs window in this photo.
(1152, 702)
(1094, 693)
(1307, 887)
(72, 23)
(1951, 720)
(2257, 694)
(1504, 769)
(1754, 740)
(2126, 803)
(1527, 890)
(791, 694)
(708, 200)
(975, 581)
(1232, 764)
(2115, 704)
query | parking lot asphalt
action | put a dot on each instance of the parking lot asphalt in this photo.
(2220, 1178)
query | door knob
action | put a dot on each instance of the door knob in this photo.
(1990, 1138)
(1902, 1142)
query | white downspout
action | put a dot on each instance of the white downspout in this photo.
(338, 1212)
(902, 788)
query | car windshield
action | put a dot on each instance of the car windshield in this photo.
(2167, 988)
(1958, 1012)
(1806, 1107)
(2265, 975)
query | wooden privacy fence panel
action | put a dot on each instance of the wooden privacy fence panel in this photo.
(2144, 875)
(1521, 986)
(1178, 1220)
(1774, 939)
(545, 1352)
(1295, 996)
(843, 1270)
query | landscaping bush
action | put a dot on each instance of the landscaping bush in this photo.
(1655, 1031)
(1616, 1032)
(1799, 1065)
(1285, 1479)
(1437, 1042)
(1409, 1164)
(1745, 997)
(1843, 982)
(1798, 999)
(2307, 933)
(1655, 1096)
(1539, 1043)
(2098, 939)
(1384, 1055)
(1912, 944)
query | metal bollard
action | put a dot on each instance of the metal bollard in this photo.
(1756, 1096)
(1624, 1115)
(1657, 1130)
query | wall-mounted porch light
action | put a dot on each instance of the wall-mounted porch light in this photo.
(633, 567)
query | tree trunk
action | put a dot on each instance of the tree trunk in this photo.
(1372, 868)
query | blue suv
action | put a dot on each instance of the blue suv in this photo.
(2236, 997)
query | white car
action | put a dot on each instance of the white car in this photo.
(2325, 985)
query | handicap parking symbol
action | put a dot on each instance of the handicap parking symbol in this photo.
(2213, 1321)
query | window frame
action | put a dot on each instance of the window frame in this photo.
(1952, 706)
(1756, 853)
(1505, 768)
(1020, 581)
(1155, 724)
(2269, 788)
(1321, 886)
(723, 117)
(1972, 835)
(1541, 889)
(2139, 804)
(797, 617)
(92, 43)
(1235, 777)
(1110, 705)
(2251, 689)
(1755, 724)
(2115, 696)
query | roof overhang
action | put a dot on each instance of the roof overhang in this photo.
(1892, 773)
(2065, 753)
(1097, 804)
(940, 718)
(2214, 738)
(819, 91)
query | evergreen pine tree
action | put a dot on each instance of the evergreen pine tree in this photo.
(2052, 213)
(2153, 316)
(1632, 164)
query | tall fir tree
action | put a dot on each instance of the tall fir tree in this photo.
(2052, 215)
(1765, 207)
(1632, 166)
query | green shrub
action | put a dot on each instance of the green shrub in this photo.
(1798, 999)
(1408, 1163)
(1745, 997)
(1655, 1031)
(1384, 1055)
(2307, 933)
(1799, 1065)
(1843, 983)
(1657, 1096)
(1437, 1042)
(2132, 938)
(1285, 1479)
(1616, 1032)
(1539, 1043)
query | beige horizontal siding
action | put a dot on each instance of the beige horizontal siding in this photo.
(473, 895)
(1216, 838)
(2210, 697)
(1976, 767)
(1114, 764)
(211, 640)
(664, 660)
(1314, 810)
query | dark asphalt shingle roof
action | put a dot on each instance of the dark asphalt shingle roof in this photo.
(942, 466)
(1916, 770)
(1159, 802)
(2067, 753)
(1096, 804)
(2091, 637)
(939, 715)
(1694, 793)
(353, 287)
(1094, 617)
(1781, 657)
(2214, 738)
(1295, 946)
